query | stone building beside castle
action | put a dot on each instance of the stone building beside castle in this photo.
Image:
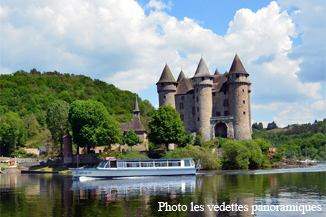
(218, 105)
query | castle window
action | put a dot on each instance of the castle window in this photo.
(213, 94)
(244, 113)
(181, 105)
(224, 92)
(237, 76)
(182, 117)
(198, 119)
(193, 111)
(226, 113)
(197, 90)
(226, 103)
(164, 97)
(162, 84)
(197, 99)
(182, 97)
(218, 114)
(242, 90)
(244, 102)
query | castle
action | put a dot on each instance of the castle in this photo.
(216, 105)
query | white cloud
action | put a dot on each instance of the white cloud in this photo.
(117, 42)
(158, 5)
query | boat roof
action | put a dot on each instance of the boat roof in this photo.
(150, 160)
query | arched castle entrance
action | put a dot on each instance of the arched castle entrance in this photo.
(222, 127)
(221, 130)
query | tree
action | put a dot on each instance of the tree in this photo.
(166, 126)
(271, 126)
(57, 121)
(235, 155)
(92, 125)
(12, 132)
(131, 138)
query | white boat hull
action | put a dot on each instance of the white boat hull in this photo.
(126, 172)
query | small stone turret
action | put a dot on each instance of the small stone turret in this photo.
(166, 88)
(239, 99)
(203, 83)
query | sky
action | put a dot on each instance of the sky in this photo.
(282, 45)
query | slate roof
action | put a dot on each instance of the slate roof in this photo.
(184, 86)
(220, 83)
(133, 125)
(181, 75)
(166, 76)
(237, 67)
(202, 70)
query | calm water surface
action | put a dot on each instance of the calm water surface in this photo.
(263, 192)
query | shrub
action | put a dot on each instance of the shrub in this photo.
(209, 161)
(235, 155)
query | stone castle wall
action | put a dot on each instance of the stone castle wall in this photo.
(166, 92)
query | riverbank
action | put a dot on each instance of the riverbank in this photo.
(284, 164)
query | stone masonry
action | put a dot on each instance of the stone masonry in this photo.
(218, 105)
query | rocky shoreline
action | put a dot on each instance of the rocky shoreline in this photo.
(290, 164)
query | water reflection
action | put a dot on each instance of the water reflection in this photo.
(59, 195)
(118, 189)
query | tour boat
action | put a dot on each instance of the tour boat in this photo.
(114, 168)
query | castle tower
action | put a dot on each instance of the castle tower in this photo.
(239, 89)
(166, 88)
(203, 83)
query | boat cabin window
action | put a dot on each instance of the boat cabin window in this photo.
(102, 164)
(132, 164)
(174, 163)
(161, 164)
(187, 163)
(121, 164)
(147, 164)
(113, 164)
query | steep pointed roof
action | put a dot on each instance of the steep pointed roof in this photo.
(136, 105)
(181, 76)
(166, 76)
(202, 70)
(216, 72)
(237, 67)
(133, 125)
(184, 86)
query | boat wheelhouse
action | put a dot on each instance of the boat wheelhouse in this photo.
(112, 168)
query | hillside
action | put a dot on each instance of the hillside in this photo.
(25, 97)
(297, 141)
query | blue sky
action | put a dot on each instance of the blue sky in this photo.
(127, 43)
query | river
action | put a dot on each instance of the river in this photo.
(285, 192)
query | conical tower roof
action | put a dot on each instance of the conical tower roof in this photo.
(237, 67)
(166, 76)
(184, 86)
(216, 72)
(181, 76)
(202, 70)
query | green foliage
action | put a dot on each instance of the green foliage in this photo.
(57, 121)
(257, 126)
(235, 155)
(256, 156)
(12, 132)
(187, 140)
(29, 95)
(198, 139)
(131, 138)
(271, 126)
(209, 160)
(166, 126)
(296, 141)
(135, 155)
(92, 125)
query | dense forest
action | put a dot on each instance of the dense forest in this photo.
(26, 96)
(305, 141)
